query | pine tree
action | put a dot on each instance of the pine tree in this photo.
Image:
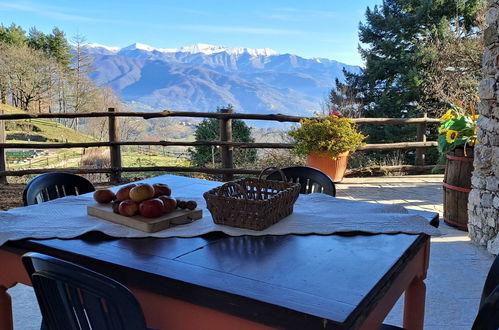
(59, 48)
(344, 99)
(209, 130)
(13, 35)
(37, 40)
(391, 84)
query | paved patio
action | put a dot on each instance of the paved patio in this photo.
(457, 267)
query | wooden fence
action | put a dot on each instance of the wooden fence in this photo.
(226, 144)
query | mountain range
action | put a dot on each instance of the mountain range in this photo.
(203, 77)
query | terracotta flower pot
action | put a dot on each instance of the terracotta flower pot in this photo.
(334, 168)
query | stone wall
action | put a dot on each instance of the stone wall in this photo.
(483, 205)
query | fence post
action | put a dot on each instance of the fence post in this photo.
(421, 136)
(115, 150)
(226, 136)
(3, 179)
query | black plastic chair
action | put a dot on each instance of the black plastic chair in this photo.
(310, 179)
(49, 186)
(488, 312)
(74, 297)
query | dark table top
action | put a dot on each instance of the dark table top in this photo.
(287, 281)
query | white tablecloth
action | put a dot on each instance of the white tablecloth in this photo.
(313, 214)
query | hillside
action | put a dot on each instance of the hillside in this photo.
(46, 131)
(39, 130)
(203, 77)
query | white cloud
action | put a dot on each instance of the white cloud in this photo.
(45, 11)
(294, 14)
(237, 29)
(283, 17)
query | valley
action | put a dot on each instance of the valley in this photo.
(202, 77)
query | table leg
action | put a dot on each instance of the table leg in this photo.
(414, 304)
(5, 309)
(11, 273)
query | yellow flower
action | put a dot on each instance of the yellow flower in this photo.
(448, 115)
(451, 136)
(473, 140)
(474, 117)
(442, 130)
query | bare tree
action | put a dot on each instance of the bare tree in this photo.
(102, 99)
(83, 91)
(451, 66)
(343, 99)
(26, 73)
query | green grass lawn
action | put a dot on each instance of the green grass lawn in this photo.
(72, 157)
(44, 129)
(54, 132)
(62, 158)
(135, 159)
(50, 130)
(9, 110)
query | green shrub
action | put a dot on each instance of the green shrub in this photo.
(331, 135)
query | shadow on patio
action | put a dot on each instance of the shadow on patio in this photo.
(457, 267)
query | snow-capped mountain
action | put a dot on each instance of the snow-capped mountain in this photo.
(211, 49)
(202, 77)
(94, 48)
(194, 49)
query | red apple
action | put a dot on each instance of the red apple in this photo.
(141, 192)
(151, 208)
(161, 189)
(124, 192)
(103, 195)
(128, 208)
(170, 204)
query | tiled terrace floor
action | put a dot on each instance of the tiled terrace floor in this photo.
(457, 267)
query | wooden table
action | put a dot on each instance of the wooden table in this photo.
(220, 282)
(248, 282)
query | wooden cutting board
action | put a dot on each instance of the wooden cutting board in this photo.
(148, 225)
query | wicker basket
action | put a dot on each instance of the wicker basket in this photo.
(252, 203)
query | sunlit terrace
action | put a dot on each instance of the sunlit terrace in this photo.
(456, 272)
(165, 211)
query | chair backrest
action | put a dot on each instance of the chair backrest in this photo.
(54, 185)
(310, 179)
(488, 313)
(74, 297)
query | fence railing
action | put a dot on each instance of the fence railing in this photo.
(226, 144)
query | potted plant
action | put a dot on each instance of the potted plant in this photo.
(327, 142)
(456, 139)
(457, 128)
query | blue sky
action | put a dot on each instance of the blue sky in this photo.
(313, 28)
